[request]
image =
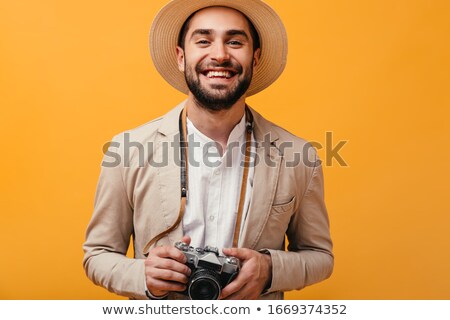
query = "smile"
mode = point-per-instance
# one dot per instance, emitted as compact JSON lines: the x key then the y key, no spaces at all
{"x":224,"y":74}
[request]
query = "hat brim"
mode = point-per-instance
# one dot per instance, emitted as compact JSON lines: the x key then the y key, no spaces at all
{"x":168,"y":22}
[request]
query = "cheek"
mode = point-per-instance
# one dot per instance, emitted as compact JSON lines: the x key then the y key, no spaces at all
{"x":246,"y":61}
{"x":191,"y":63}
{"x":193,"y":57}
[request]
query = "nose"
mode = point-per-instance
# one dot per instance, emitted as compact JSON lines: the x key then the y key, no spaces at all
{"x":219,"y":52}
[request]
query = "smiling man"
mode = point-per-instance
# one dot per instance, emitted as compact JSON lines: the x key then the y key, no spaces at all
{"x":245,"y":202}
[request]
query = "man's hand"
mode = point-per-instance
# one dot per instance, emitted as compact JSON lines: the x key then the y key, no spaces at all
{"x":255,"y":274}
{"x":165,"y":270}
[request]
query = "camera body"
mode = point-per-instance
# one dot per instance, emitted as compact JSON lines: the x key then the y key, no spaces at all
{"x":210,"y":272}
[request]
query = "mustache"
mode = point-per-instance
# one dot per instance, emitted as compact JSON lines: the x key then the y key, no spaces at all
{"x":199,"y":68}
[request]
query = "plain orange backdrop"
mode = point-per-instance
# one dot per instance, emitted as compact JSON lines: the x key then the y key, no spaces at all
{"x":375,"y":73}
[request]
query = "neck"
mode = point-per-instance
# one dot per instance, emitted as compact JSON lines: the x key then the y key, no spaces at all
{"x":216,"y":125}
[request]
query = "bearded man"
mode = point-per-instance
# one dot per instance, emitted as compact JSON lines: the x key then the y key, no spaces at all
{"x":226,"y":182}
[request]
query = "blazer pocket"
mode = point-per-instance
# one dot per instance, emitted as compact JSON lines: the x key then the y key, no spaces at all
{"x":283,"y":207}
{"x":277,"y":225}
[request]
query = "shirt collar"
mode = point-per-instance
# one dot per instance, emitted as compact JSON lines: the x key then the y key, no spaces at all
{"x":235,"y":135}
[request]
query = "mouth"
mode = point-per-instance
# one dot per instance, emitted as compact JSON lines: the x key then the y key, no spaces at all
{"x":219,"y":74}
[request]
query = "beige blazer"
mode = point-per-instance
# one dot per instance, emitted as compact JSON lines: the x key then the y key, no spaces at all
{"x":138,"y":196}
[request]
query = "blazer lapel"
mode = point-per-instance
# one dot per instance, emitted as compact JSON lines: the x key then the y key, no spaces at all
{"x":265,"y":181}
{"x":169,"y":175}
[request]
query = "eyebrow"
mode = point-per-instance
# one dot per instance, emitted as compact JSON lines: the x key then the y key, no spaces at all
{"x":231,"y":32}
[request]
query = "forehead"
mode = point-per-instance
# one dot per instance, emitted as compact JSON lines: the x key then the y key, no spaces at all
{"x":218,"y":18}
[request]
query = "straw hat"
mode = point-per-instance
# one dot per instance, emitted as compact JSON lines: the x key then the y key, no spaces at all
{"x":168,"y":22}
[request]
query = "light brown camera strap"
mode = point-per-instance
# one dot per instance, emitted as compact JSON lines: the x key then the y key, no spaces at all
{"x":237,"y":227}
{"x":184,"y":180}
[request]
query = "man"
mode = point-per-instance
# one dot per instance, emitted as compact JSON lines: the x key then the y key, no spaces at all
{"x":218,"y":52}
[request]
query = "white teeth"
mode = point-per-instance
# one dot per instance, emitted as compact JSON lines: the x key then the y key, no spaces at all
{"x":223,"y":74}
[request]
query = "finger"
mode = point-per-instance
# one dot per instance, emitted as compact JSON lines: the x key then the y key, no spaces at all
{"x":233,"y":287}
{"x":161,"y":285}
{"x":168,"y":275}
{"x":166,"y":263}
{"x":240,"y":253}
{"x":243,"y":293}
{"x":173,"y":265}
{"x":168,"y":252}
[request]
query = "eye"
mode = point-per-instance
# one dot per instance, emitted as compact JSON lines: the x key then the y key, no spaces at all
{"x":235,"y":43}
{"x":202,"y":42}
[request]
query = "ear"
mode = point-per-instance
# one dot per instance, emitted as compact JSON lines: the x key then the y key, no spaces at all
{"x":256,"y":57}
{"x":180,"y":58}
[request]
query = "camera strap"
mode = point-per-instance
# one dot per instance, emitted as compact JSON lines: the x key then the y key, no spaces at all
{"x":184,"y":164}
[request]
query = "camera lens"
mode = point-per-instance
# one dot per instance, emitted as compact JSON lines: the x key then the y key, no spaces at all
{"x":204,"y":285}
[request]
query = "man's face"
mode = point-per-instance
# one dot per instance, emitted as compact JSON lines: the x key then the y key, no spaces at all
{"x":218,"y":57}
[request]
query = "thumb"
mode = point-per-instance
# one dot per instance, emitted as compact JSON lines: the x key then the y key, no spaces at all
{"x":186,"y":239}
{"x":239,"y":253}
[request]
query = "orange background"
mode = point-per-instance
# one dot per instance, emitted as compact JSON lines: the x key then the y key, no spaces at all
{"x":374,"y":72}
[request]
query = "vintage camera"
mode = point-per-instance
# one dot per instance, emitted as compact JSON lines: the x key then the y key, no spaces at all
{"x":209,"y":271}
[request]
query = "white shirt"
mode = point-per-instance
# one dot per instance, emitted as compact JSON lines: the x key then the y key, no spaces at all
{"x":214,"y":187}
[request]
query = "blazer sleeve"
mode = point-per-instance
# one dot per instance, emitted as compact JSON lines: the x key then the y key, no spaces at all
{"x":109,"y":232}
{"x":309,"y":258}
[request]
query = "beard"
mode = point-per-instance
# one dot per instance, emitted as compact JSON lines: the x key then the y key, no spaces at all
{"x":218,"y":97}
